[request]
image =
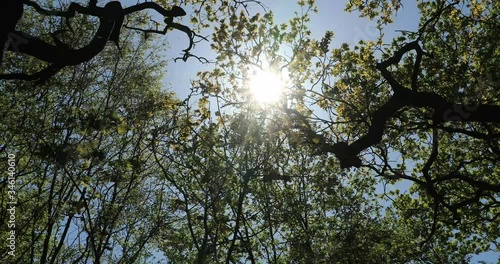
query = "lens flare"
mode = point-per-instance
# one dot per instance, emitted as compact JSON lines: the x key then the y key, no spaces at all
{"x":266,"y":86}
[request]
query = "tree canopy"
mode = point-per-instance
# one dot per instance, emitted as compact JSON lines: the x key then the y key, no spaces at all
{"x":377,"y":152}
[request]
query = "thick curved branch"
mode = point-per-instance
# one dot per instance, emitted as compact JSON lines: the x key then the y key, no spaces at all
{"x":60,"y":55}
{"x":11,"y":13}
{"x":40,"y":76}
{"x":94,"y":10}
{"x":186,"y":30}
{"x":469,"y":133}
{"x":377,"y":127}
{"x":111,"y":18}
{"x":444,"y":111}
{"x":485,"y":186}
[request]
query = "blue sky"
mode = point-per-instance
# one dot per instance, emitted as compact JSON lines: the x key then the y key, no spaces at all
{"x":348,"y":28}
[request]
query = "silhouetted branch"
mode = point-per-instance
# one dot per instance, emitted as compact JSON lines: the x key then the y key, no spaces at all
{"x":40,"y":76}
{"x":111,"y":18}
{"x":10,"y":14}
{"x":444,"y":111}
{"x":188,"y":55}
{"x":472,"y":182}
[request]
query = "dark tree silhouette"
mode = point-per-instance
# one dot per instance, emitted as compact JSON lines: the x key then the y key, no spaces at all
{"x":11,"y":12}
{"x":60,"y":55}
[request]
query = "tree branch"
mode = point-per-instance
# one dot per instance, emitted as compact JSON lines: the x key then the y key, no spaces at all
{"x":444,"y":111}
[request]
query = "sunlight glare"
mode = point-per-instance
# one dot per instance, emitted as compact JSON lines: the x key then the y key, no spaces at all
{"x":266,"y":87}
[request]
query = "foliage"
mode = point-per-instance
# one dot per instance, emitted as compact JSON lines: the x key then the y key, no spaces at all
{"x":111,"y":167}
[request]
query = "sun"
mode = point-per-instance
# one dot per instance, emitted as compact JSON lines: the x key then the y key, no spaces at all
{"x":266,"y":87}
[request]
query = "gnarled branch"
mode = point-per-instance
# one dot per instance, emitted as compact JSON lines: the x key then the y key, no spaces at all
{"x":111,"y":18}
